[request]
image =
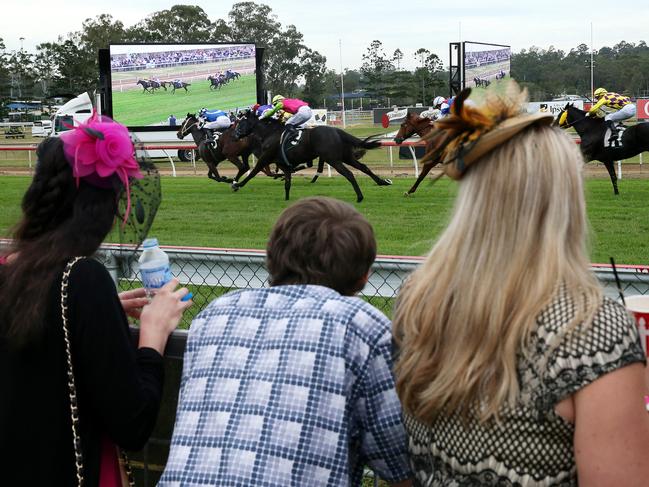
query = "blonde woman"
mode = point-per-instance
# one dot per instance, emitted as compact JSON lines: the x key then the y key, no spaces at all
{"x":513,"y":368}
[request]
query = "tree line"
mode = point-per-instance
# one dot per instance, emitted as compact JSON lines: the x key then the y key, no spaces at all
{"x":68,"y":66}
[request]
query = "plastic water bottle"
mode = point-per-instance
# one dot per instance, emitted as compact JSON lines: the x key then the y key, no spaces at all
{"x":154,"y":266}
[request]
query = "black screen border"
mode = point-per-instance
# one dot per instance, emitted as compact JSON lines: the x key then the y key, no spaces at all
{"x":105,"y":77}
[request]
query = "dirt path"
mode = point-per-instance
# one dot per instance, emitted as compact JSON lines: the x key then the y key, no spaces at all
{"x":593,"y":170}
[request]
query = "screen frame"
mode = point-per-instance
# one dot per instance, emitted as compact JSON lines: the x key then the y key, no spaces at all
{"x":463,"y":56}
{"x":105,"y":77}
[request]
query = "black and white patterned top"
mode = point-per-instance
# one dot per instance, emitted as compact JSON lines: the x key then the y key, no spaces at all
{"x":532,"y":445}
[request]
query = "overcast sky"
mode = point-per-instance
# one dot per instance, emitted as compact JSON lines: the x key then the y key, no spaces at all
{"x":406,"y":24}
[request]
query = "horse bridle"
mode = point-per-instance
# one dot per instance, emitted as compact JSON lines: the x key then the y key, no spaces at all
{"x":185,"y":130}
{"x":570,"y":124}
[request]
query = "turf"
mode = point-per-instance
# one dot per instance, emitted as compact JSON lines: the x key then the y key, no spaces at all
{"x":199,"y":212}
{"x":136,"y":108}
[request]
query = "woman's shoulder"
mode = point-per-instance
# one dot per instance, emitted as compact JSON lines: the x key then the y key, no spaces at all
{"x":578,"y":355}
{"x":89,"y":275}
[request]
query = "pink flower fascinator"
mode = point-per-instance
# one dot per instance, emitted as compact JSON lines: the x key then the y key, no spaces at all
{"x":100,"y":150}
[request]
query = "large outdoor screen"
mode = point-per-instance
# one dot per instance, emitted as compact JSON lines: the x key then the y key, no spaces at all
{"x":485,"y":63}
{"x":150,"y":82}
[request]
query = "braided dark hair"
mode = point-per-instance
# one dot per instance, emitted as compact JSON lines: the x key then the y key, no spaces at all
{"x":62,"y":218}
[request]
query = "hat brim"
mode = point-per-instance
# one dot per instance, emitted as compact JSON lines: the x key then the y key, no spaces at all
{"x":457,"y":162}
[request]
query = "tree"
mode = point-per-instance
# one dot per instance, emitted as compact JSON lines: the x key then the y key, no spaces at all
{"x":314,"y":70}
{"x":397,"y":56}
{"x":181,"y":23}
{"x":287,"y":61}
{"x":376,"y":67}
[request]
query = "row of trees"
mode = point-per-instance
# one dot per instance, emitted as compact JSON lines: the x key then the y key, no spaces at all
{"x":69,"y":65}
{"x":623,"y":68}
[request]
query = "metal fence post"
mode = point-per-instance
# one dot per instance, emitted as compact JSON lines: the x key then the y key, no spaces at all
{"x":112,"y":266}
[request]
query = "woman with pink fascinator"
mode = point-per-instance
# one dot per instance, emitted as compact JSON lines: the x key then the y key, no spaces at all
{"x":74,"y":386}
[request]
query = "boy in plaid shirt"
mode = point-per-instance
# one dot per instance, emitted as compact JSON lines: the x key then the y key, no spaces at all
{"x":292,"y":384}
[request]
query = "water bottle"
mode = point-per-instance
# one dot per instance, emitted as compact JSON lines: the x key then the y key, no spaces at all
{"x":154,"y":266}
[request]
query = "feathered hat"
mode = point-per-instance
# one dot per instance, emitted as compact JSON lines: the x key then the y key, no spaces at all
{"x":472,"y":131}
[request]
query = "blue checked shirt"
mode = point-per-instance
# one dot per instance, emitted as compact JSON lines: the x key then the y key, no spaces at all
{"x":290,"y":385}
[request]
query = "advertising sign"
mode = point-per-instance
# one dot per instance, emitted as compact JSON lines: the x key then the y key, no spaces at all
{"x":642,"y":108}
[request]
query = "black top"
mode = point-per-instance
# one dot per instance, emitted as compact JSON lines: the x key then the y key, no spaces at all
{"x":119,"y":388}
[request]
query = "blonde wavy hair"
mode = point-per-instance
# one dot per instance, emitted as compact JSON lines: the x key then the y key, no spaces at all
{"x":518,"y":233}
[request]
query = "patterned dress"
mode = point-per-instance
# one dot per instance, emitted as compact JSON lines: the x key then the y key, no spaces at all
{"x":532,"y":445}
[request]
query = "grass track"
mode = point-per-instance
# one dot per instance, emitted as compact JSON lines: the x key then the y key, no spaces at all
{"x":135,"y":108}
{"x":196,"y":211}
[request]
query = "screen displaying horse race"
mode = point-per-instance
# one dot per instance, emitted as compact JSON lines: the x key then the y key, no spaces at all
{"x":150,"y":82}
{"x":485,"y":63}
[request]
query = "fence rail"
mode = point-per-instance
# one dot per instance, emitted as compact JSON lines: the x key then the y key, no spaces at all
{"x":211,"y":272}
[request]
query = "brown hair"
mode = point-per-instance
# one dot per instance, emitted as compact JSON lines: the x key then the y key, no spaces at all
{"x":321,"y":241}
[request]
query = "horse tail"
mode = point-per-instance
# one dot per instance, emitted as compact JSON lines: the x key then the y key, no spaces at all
{"x":366,"y":143}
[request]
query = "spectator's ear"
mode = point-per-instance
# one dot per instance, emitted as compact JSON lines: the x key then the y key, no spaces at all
{"x":360,"y":284}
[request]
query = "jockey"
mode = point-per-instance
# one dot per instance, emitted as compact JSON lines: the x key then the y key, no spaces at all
{"x":619,"y":107}
{"x":300,"y":111}
{"x":443,"y":105}
{"x":261,"y":109}
{"x":215,"y":121}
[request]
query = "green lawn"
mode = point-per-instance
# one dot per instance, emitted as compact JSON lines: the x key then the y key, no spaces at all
{"x":134,"y":107}
{"x":199,"y":212}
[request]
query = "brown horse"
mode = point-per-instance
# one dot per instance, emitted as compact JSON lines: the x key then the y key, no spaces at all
{"x":414,"y":124}
{"x":237,"y":151}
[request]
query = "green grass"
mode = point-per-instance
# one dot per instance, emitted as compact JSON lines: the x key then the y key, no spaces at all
{"x":199,"y":212}
{"x":133,"y":107}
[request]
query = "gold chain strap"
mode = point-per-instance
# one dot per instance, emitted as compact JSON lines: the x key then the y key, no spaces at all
{"x":72,"y":389}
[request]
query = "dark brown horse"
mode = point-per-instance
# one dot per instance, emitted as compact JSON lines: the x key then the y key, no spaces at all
{"x":414,"y":124}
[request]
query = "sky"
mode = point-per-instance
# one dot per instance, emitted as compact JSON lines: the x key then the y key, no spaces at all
{"x":342,"y":30}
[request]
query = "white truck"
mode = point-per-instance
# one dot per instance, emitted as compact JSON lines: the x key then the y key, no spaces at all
{"x":79,"y":109}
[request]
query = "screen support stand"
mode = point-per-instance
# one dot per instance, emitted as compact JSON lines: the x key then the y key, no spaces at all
{"x":455,"y":80}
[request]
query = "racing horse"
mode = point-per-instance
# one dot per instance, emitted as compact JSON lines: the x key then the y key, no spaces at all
{"x":237,"y":151}
{"x":592,"y":131}
{"x":216,"y":82}
{"x":331,"y":145}
{"x":148,"y":86}
{"x":414,"y":124}
{"x":178,"y":85}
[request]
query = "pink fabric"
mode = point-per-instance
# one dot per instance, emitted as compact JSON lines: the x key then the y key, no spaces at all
{"x":109,"y":473}
{"x":292,"y":105}
{"x":3,"y":259}
{"x":99,"y":149}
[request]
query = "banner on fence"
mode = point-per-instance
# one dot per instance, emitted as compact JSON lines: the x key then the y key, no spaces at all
{"x":553,"y":107}
{"x":318,"y":117}
{"x":642,"y":109}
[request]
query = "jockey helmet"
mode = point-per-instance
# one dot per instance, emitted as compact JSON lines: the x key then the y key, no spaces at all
{"x":437,"y":102}
{"x":202,"y":112}
{"x":277,"y":98}
{"x":599,"y":92}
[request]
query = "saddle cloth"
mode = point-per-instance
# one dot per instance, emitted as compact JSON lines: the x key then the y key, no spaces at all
{"x":617,"y":141}
{"x":294,"y":141}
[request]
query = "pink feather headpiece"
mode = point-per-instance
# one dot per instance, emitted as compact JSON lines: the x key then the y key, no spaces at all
{"x":100,"y":149}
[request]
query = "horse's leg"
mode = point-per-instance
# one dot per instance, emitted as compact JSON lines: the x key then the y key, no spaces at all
{"x":610,"y":167}
{"x":347,"y":174}
{"x":245,"y":166}
{"x":424,"y":172}
{"x":318,"y":172}
{"x":287,"y":184}
{"x":366,"y":170}
{"x":261,"y":163}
